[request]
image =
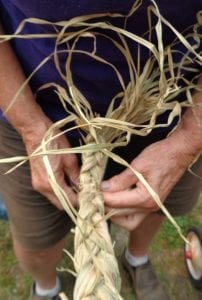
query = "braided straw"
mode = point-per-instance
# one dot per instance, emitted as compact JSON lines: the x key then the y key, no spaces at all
{"x":97,"y":270}
{"x":133,"y":111}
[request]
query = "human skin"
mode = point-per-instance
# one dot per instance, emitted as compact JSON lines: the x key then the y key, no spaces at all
{"x":162,"y":164}
{"x":28,"y":119}
{"x":161,"y":171}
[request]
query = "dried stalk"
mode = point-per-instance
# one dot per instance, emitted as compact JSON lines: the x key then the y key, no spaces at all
{"x":95,"y":264}
{"x":148,"y":94}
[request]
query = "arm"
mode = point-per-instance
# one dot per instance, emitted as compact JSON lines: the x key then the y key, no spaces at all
{"x":28,"y":119}
{"x":162,"y":164}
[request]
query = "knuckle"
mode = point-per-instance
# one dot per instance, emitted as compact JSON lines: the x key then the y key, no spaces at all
{"x":34,"y":184}
{"x":40,"y":185}
{"x":117,"y":182}
{"x":150,"y":203}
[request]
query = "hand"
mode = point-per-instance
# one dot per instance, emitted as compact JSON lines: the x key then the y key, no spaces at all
{"x":128,"y":220}
{"x":162,"y":164}
{"x":63,"y":166}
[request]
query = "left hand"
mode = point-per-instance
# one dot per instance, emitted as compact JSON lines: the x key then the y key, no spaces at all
{"x":162,"y":164}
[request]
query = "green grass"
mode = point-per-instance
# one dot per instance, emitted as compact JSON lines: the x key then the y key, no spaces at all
{"x":166,"y":254}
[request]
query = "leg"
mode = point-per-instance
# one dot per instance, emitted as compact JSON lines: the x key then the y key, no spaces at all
{"x":135,"y":260}
{"x":180,"y":201}
{"x":38,"y":228}
{"x":41,"y":265}
{"x":139,"y":241}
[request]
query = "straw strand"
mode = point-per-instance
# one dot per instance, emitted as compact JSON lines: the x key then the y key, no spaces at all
{"x":97,"y":270}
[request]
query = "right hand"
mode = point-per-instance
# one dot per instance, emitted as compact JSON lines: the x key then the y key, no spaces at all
{"x":63,"y":166}
{"x":32,"y":124}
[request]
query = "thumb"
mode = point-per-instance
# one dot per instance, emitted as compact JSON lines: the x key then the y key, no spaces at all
{"x":119,"y":182}
{"x":129,"y":222}
{"x":71,"y":168}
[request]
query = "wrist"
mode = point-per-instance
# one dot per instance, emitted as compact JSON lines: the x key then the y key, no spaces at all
{"x":188,"y":143}
{"x":188,"y":133}
{"x":33,"y":133}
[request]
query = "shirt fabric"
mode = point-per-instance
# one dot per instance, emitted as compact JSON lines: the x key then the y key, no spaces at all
{"x":96,"y":81}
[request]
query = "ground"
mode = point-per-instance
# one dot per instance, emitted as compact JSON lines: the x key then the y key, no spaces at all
{"x":166,"y":254}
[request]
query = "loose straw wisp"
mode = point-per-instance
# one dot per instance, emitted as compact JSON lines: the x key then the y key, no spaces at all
{"x":149,"y":93}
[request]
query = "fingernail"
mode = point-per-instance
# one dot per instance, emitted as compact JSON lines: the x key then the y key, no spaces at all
{"x":105,"y":185}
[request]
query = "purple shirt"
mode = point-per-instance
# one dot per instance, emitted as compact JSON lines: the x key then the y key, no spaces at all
{"x":96,"y":81}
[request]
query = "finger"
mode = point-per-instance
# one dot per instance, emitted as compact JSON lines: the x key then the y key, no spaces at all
{"x":68,"y":193}
{"x":115,"y":212}
{"x":63,"y":192}
{"x":129,"y":222}
{"x":119,"y":182}
{"x":134,"y":198}
{"x":54,"y":200}
{"x":71,"y":168}
{"x":72,"y":196}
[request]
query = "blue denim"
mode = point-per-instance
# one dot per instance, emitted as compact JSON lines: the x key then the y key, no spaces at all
{"x":3,"y":213}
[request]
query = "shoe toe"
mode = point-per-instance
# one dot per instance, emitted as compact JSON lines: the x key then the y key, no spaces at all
{"x":145,"y":282}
